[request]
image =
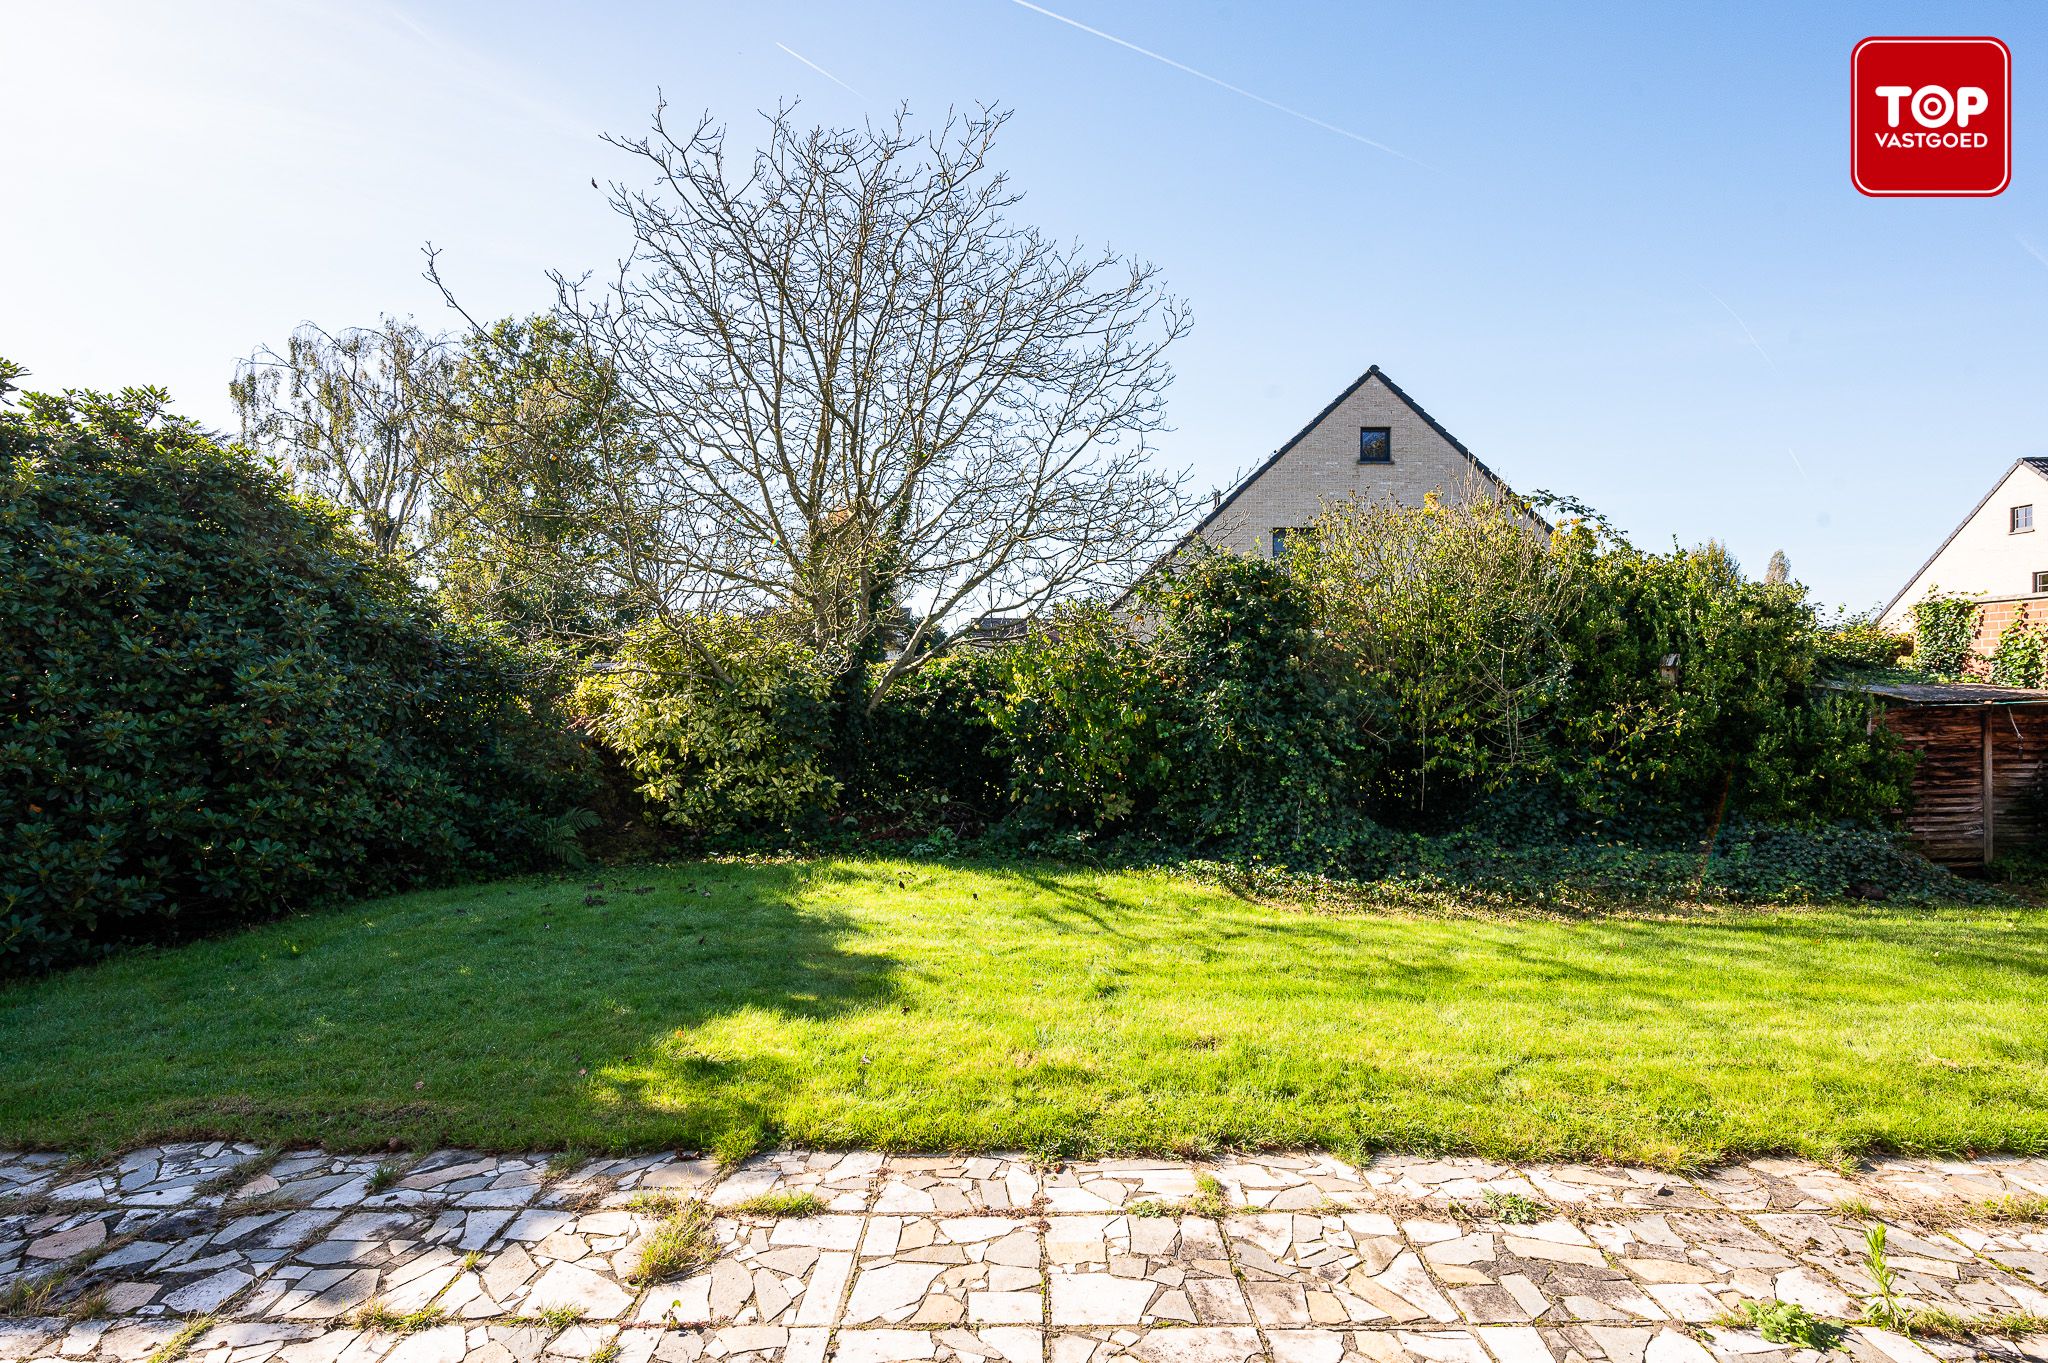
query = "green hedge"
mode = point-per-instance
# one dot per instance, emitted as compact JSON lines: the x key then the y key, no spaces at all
{"x":214,"y":708}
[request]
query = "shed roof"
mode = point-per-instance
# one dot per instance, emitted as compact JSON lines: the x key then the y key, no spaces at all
{"x":1947,"y":693}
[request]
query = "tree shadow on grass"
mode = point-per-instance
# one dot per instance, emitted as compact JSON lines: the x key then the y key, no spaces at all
{"x":536,"y":1014}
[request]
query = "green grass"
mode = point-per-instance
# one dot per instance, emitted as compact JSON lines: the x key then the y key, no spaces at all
{"x":778,"y":1205}
{"x":680,"y":1244}
{"x":925,"y":1006}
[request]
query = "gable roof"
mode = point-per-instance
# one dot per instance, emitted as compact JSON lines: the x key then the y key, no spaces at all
{"x":2038,"y":465}
{"x":1370,"y":374}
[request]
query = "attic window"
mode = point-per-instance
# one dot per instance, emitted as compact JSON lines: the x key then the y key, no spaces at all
{"x":1375,"y":445}
{"x":1280,"y":535}
{"x":2022,"y":518}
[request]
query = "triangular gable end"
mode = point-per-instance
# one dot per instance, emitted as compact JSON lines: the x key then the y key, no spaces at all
{"x":2039,"y":467}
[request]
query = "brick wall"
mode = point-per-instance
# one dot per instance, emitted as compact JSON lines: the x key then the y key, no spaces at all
{"x":1994,"y":616}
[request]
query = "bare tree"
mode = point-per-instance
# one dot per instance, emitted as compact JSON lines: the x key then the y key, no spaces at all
{"x":359,"y":416}
{"x":863,"y":400}
{"x":1779,"y":570}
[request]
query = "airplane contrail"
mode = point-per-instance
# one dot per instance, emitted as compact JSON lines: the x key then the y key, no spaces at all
{"x":822,"y":71}
{"x":1223,"y":84}
{"x":1797,"y":462}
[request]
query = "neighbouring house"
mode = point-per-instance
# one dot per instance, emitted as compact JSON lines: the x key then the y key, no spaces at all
{"x":1993,"y":556}
{"x":1373,"y":443}
{"x":1978,"y":782}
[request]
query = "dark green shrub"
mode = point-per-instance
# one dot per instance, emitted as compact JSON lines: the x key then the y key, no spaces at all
{"x":214,"y":708}
{"x":726,"y":730}
{"x":1266,"y":742}
{"x":927,"y":754}
{"x":1080,"y":723}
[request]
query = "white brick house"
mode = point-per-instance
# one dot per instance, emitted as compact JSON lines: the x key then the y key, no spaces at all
{"x":1373,"y":443}
{"x":1999,"y":554}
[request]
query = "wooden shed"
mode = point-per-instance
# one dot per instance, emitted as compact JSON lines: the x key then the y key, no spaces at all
{"x":1981,"y":752}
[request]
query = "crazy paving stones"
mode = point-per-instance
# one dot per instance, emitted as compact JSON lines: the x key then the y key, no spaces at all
{"x":1288,"y":1182}
{"x":157,"y":1176}
{"x":957,"y":1186}
{"x":1141,"y":1270}
{"x":1226,"y":1344}
{"x":947,"y":1270}
{"x":1510,"y":1274}
{"x":843,"y":1181}
{"x":1114,"y":1185}
{"x":1303,"y":1269}
{"x":1266,"y":1258}
{"x":988,"y":1344}
{"x":785,"y":1273}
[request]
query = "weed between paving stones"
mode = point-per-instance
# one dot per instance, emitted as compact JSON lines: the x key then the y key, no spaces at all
{"x":179,"y":1344}
{"x":2017,"y":1207}
{"x":554,"y":1318}
{"x":780,"y":1205}
{"x":375,"y":1315}
{"x":1210,"y":1200}
{"x":680,"y":1243}
{"x":1784,"y":1322}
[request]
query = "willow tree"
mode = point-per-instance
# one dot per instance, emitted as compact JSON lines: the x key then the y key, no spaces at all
{"x":861,"y":399}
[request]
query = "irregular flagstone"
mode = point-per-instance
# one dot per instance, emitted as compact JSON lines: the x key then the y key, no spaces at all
{"x":1583,"y":1188}
{"x":844,"y":1180}
{"x":619,"y":1182}
{"x":471,"y":1181}
{"x":1113,"y":1185}
{"x":986,"y":1344}
{"x":1141,"y":1270}
{"x":1516,"y":1274}
{"x":947,"y":1270}
{"x":1931,"y":1268}
{"x":1288,"y":1182}
{"x":966,"y":1185}
{"x":26,"y":1338}
{"x":157,"y":1176}
{"x":2021,"y":1248}
{"x":743,"y":1344}
{"x":1200,"y":1344}
{"x":1905,"y":1182}
{"x":1379,"y":1346}
{"x":1778,"y":1185}
{"x":784,"y":1273}
{"x":28,"y":1172}
{"x":949,"y":1258}
{"x":1303,"y":1269}
{"x":1696,"y":1265}
{"x":1444,"y":1179}
{"x":32,"y":1244}
{"x":552,"y":1258}
{"x":314,"y":1178}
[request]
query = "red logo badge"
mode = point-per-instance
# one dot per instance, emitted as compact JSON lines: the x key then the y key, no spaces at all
{"x":1931,"y":117}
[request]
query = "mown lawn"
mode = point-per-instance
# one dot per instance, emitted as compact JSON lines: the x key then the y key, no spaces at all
{"x":924,"y":1006}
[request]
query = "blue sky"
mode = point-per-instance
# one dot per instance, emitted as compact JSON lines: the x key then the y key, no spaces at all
{"x":1614,"y":249}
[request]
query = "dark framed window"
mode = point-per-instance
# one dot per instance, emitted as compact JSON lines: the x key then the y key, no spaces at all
{"x":2022,"y":518}
{"x":1375,"y":445}
{"x":1280,"y":535}
{"x":2040,"y":583}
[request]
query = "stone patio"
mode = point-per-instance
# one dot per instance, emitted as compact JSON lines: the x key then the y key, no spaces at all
{"x":265,"y":1258}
